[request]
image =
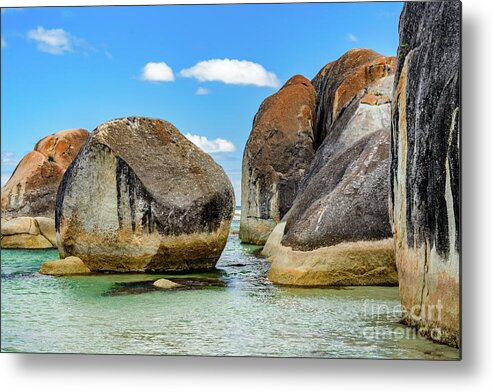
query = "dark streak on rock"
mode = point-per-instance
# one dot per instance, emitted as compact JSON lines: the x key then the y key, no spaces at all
{"x":430,"y":39}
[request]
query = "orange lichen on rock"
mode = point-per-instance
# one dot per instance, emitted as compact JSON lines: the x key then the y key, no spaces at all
{"x":341,"y":81}
{"x":31,"y":191}
{"x":361,"y":77}
{"x":277,"y":154}
{"x":281,"y":111}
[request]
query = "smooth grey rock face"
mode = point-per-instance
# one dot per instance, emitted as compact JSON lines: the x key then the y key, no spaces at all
{"x":277,"y":154}
{"x":142,"y":197}
{"x":337,"y":232}
{"x":344,"y":194}
{"x":346,"y":200}
{"x":425,"y":171}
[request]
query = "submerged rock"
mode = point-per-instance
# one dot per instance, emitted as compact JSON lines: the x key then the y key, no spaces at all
{"x":28,"y":197}
{"x":425,"y":172}
{"x":68,"y":266}
{"x":166,"y":284}
{"x":277,"y":154}
{"x":28,"y":233}
{"x":142,"y":197}
{"x":337,"y":231}
{"x":148,"y":286}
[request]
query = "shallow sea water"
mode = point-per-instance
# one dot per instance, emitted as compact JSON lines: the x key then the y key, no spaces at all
{"x":233,"y":311}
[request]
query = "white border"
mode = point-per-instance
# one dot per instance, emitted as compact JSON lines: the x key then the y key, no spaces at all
{"x":19,"y":372}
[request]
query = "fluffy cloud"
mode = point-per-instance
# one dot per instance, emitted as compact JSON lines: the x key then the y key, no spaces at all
{"x":54,"y":41}
{"x":9,"y":159}
{"x":211,"y":146}
{"x":157,"y":72}
{"x":202,"y":91}
{"x":232,"y":72}
{"x":351,"y":37}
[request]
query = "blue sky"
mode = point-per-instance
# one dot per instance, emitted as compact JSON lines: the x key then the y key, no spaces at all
{"x":206,"y":69}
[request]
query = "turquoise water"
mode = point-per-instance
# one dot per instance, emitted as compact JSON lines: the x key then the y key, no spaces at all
{"x":232,"y":311}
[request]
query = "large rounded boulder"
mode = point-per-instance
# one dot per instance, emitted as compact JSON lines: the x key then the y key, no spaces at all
{"x":31,"y":191}
{"x":337,"y":231}
{"x":29,"y":196}
{"x":276,"y":157}
{"x":142,"y":197}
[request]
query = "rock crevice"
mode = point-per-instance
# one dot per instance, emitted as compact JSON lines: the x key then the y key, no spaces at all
{"x":337,"y":231}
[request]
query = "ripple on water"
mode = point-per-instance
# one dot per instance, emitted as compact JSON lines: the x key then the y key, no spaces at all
{"x":233,"y":310}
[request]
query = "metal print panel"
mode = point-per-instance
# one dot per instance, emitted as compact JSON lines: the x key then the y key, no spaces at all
{"x":278,"y":180}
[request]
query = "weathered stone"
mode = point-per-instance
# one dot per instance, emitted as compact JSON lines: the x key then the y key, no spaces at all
{"x":31,"y":191}
{"x":68,"y":266}
{"x":277,"y":154}
{"x":47,"y":228}
{"x":425,"y":172}
{"x":142,"y":197}
{"x":166,"y":284}
{"x":28,"y":233}
{"x":21,"y":225}
{"x":345,"y":264}
{"x":369,"y":99}
{"x":25,"y":241}
{"x":341,"y":81}
{"x":318,"y":80}
{"x":337,"y":231}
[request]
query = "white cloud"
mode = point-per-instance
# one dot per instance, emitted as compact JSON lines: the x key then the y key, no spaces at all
{"x":9,"y":159}
{"x":351,"y":37}
{"x":157,"y":72}
{"x":58,"y":41}
{"x":232,"y":72}
{"x":211,"y":146}
{"x":4,"y":44}
{"x":53,"y":41}
{"x":202,"y":91}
